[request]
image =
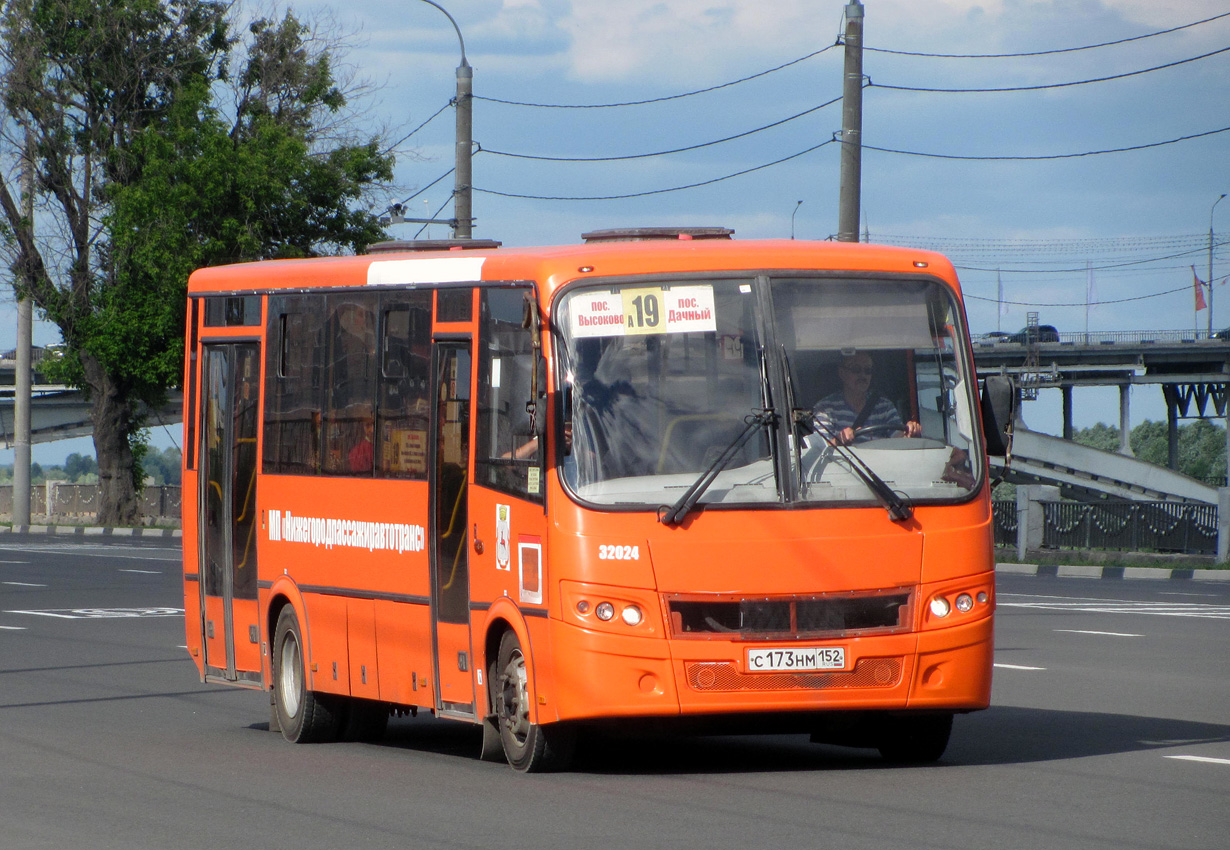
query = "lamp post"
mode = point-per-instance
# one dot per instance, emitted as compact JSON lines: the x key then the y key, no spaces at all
{"x":463,"y":221}
{"x":792,"y":215}
{"x":1220,"y":198}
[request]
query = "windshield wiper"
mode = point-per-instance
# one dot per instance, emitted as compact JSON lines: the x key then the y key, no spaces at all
{"x":898,"y":508}
{"x":674,"y":514}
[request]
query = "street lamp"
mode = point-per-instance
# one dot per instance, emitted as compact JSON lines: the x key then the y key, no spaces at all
{"x":792,"y":215}
{"x":462,"y":176}
{"x":1220,"y":198}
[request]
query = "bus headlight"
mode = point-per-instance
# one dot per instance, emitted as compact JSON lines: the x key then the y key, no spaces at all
{"x":604,"y":611}
{"x":965,"y":602}
{"x":632,"y":615}
{"x":940,"y":607}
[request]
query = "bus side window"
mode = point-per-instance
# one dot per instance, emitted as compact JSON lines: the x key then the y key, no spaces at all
{"x":508,"y":455}
{"x":293,"y":384}
{"x":403,"y":406}
{"x":348,"y":416}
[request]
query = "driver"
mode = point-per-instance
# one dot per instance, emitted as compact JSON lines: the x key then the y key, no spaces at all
{"x":853,"y":413}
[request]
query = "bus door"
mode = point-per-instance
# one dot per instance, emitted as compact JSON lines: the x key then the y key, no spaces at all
{"x":450,"y":574}
{"x":229,"y":414}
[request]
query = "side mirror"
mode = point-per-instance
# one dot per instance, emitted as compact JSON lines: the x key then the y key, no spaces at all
{"x":998,"y":413}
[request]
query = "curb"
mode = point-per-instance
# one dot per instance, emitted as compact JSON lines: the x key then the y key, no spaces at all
{"x":93,"y":531}
{"x":1163,"y":573}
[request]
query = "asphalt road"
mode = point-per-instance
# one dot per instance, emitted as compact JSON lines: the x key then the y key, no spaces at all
{"x":1110,"y":729}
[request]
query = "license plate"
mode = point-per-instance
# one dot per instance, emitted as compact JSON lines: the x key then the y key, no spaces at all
{"x":798,"y":658}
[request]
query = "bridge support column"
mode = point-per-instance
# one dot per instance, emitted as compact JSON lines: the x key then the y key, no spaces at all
{"x":1030,"y":519}
{"x":1125,"y":419}
{"x":1223,"y":525}
{"x":1172,"y":426}
{"x":1066,"y":389}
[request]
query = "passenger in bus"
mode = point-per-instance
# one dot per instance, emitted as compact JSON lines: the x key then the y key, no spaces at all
{"x":854,"y":414}
{"x":363,"y":453}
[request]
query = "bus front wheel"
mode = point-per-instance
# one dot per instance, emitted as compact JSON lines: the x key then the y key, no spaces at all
{"x":305,"y":717}
{"x":528,"y":746}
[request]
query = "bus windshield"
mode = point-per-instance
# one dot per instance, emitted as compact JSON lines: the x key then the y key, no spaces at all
{"x":839,"y":380}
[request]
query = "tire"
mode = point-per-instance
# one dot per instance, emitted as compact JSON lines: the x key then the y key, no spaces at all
{"x":304,"y":716}
{"x":915,"y":740}
{"x":529,"y":747}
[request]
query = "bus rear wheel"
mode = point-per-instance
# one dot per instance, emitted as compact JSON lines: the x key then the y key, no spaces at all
{"x":920,"y":739}
{"x":305,"y":717}
{"x":528,"y":746}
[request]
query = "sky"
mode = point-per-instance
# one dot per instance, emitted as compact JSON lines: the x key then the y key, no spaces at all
{"x":1118,"y":232}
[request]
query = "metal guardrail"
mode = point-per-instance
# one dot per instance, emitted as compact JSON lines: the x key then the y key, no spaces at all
{"x":1120,"y":525}
{"x":1004,"y":521}
{"x":1106,"y":338}
{"x":79,"y":502}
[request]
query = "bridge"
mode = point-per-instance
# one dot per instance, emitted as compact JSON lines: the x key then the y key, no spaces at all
{"x":1191,"y":368}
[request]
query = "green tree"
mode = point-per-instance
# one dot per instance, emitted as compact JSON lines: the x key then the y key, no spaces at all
{"x":1099,"y":436}
{"x":161,"y":142}
{"x":1202,"y":447}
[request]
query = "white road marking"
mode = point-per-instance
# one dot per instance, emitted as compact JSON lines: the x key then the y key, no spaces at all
{"x":13,"y":628}
{"x":1088,"y":632}
{"x":1203,"y":759}
{"x":1017,"y":667}
{"x":14,"y":562}
{"x":1092,"y":605}
{"x":22,"y":584}
{"x":103,"y":613}
{"x":144,"y":572}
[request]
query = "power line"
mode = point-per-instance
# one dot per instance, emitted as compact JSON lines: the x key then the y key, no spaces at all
{"x":428,"y":186}
{"x":1049,"y":85}
{"x":406,"y":137}
{"x":1049,"y":156}
{"x":1184,"y":288}
{"x":655,"y":191}
{"x":664,"y":152}
{"x":1044,"y":52}
{"x":656,"y":99}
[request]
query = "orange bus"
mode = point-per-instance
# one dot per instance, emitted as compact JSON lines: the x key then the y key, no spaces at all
{"x":541,"y":490}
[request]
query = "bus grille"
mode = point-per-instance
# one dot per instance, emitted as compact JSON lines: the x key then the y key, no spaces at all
{"x":724,"y":676}
{"x":796,"y":616}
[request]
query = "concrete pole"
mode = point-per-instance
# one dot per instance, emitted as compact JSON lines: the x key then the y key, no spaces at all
{"x":1125,"y":419}
{"x":1210,"y":281}
{"x":851,"y":128}
{"x":463,"y":181}
{"x":1066,"y":390}
{"x":463,"y":187}
{"x":1172,"y":426}
{"x":21,"y":400}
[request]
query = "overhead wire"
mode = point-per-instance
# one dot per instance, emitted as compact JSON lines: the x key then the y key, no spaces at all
{"x":1036,"y":157}
{"x":783,"y":66}
{"x":1184,"y":288}
{"x":1044,"y":52}
{"x":1040,"y":87}
{"x":664,"y":152}
{"x":656,"y":191}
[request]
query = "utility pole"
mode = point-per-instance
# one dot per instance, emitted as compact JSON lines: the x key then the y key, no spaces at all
{"x":851,"y":127}
{"x":463,"y":180}
{"x":25,"y":327}
{"x":1210,"y":305}
{"x":463,"y":185}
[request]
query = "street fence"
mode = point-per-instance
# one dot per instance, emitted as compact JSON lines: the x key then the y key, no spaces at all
{"x":60,"y":501}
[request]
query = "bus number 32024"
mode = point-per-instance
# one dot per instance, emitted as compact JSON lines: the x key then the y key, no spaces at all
{"x":619,"y":553}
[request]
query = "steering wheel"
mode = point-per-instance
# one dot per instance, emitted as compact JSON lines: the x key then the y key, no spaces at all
{"x":889,"y":430}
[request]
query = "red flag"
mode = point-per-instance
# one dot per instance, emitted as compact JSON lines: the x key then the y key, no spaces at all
{"x":1199,"y":285}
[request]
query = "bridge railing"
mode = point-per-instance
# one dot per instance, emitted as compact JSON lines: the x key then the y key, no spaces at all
{"x":78,"y":503}
{"x":1107,"y":337}
{"x":1173,"y":527}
